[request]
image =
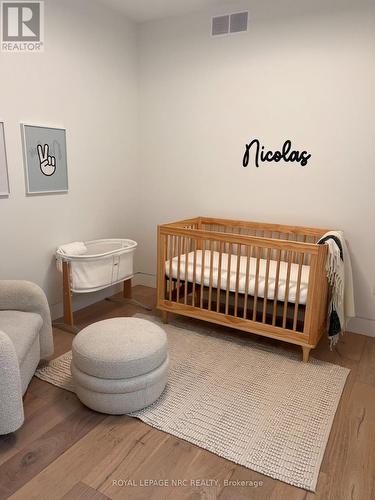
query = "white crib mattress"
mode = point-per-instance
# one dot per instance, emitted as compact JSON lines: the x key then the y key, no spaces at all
{"x":242,"y":275}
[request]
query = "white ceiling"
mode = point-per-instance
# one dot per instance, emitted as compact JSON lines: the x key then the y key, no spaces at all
{"x":146,"y":10}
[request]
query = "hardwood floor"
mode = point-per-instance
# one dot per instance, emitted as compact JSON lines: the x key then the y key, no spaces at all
{"x":66,"y":451}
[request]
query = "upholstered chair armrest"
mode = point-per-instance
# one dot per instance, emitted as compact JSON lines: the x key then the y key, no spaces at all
{"x":29,"y":297}
{"x":11,"y":407}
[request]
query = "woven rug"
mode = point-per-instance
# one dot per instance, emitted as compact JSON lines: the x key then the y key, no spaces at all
{"x":252,"y":403}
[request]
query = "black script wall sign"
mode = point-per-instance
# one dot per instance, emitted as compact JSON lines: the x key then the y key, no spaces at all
{"x":287,"y":154}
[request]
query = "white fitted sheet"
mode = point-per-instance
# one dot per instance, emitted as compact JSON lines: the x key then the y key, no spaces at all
{"x":242,"y":275}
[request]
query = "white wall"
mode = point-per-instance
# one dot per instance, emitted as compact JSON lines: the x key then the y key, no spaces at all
{"x":305,"y":71}
{"x":86,"y":81}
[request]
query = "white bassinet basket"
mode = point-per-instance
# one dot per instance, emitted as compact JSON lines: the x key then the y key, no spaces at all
{"x":105,"y":263}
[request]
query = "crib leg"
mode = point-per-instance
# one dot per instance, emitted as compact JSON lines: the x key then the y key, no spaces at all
{"x":306,"y":353}
{"x":67,"y":297}
{"x":165,"y":317}
{"x":127,"y":290}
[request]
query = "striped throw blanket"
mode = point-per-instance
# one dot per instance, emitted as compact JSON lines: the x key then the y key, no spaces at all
{"x":340,"y":278}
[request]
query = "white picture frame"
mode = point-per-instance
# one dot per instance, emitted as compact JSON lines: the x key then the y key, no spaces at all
{"x":45,"y":159}
{"x":4,"y":175}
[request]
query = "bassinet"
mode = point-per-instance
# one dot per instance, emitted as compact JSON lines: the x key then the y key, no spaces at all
{"x":106,"y":263}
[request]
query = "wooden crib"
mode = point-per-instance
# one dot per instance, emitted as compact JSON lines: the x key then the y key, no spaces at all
{"x":267,"y":279}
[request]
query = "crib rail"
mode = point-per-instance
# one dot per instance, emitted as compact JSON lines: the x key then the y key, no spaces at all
{"x":254,"y":282}
{"x":250,"y":228}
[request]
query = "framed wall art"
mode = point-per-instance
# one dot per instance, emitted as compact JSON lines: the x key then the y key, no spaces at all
{"x":4,"y":179}
{"x":45,"y":156}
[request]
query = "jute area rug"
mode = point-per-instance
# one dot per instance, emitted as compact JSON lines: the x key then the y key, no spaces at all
{"x":252,"y":403}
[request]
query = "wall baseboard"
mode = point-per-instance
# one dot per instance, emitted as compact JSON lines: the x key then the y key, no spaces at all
{"x":363,"y":326}
{"x":145,"y":280}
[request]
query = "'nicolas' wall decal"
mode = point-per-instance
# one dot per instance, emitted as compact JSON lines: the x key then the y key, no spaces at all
{"x":286,"y":154}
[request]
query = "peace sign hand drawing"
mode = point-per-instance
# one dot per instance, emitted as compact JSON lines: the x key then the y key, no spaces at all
{"x":47,"y":163}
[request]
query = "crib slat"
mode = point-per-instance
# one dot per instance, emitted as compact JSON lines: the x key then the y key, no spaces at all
{"x":268,"y":256}
{"x":172,"y":254}
{"x":262,"y":235}
{"x":187,"y":242}
{"x":194,"y":271}
{"x":202,"y":275}
{"x":171,"y":244}
{"x":212,"y":246}
{"x":249,"y":251}
{"x":165,"y":280}
{"x":237,"y":279}
{"x":228,"y":279}
{"x":179,"y":244}
{"x":287,"y":283}
{"x":256,"y":286}
{"x":276,"y":292}
{"x":276,"y":236}
{"x":287,"y":237}
{"x":218,"y":292}
{"x":298,"y":290}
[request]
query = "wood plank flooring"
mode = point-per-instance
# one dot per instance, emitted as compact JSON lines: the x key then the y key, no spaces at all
{"x":66,"y":451}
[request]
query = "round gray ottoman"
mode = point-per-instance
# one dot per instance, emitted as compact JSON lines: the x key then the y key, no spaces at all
{"x":120,"y":365}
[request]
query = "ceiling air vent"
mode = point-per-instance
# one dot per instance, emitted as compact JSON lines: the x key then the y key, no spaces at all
{"x":220,"y":25}
{"x":238,"y":22}
{"x":231,"y":23}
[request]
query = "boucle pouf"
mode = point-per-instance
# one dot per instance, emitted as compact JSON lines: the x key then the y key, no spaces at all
{"x":120,"y":365}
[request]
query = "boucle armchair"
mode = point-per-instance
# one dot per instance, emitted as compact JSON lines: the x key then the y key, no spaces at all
{"x":25,"y":339}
